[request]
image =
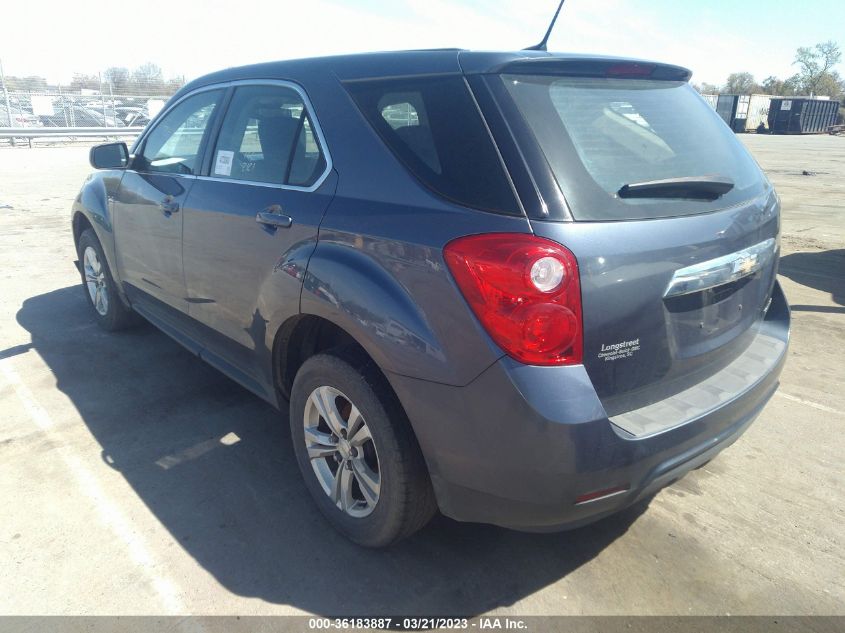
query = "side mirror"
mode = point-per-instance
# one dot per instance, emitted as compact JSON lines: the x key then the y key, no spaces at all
{"x":109,"y":156}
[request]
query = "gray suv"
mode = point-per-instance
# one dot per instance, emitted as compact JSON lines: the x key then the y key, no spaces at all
{"x":526,"y":289}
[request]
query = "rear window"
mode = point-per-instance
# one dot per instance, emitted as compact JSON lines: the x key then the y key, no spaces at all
{"x":600,"y":134}
{"x":434,"y":128}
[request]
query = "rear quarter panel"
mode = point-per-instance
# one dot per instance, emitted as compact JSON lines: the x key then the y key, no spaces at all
{"x":378,"y":272}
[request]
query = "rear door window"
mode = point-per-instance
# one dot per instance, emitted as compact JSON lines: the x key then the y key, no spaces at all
{"x":600,"y":134}
{"x":267,"y":136}
{"x":434,"y":128}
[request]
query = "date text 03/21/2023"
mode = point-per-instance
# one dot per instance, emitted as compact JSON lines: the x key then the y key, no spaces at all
{"x":417,"y":623}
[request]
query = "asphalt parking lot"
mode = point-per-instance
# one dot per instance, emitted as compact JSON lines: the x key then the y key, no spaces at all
{"x":134,"y":479}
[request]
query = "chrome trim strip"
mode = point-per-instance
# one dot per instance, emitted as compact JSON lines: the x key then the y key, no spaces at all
{"x":318,"y":131}
{"x":237,"y":181}
{"x":721,"y":270}
{"x":602,"y":498}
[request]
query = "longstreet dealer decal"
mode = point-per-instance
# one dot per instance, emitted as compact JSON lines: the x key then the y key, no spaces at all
{"x":615,"y":351}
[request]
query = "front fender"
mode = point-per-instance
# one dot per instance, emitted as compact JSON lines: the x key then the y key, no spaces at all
{"x":93,"y":204}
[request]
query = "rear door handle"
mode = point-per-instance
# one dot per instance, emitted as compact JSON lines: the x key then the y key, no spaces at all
{"x":273,"y":216}
{"x":168,"y":206}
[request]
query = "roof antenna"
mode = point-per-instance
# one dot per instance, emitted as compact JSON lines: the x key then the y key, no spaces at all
{"x":542,"y":45}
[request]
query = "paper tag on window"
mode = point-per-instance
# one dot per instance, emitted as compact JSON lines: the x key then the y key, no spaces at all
{"x":223,"y":164}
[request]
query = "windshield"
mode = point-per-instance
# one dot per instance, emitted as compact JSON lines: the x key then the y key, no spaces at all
{"x":599,"y":135}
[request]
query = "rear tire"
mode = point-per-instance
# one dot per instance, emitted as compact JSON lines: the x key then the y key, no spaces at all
{"x":374,"y":490}
{"x":98,"y":284}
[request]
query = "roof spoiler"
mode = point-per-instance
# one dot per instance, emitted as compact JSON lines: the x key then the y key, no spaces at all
{"x":615,"y":68}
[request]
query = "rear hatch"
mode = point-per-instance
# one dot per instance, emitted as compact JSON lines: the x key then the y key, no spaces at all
{"x":672,"y":222}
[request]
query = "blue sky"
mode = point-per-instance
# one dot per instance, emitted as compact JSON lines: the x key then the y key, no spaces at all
{"x":712,"y":37}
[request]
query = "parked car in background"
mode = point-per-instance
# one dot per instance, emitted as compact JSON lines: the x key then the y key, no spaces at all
{"x":19,"y":117}
{"x":74,"y":115}
{"x":527,"y":289}
{"x":132,"y":116}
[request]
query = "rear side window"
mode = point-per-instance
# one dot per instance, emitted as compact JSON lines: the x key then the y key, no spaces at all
{"x":267,"y":136}
{"x":434,"y":128}
{"x":600,"y":134}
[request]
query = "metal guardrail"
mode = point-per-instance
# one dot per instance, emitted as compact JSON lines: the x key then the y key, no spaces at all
{"x":45,"y":132}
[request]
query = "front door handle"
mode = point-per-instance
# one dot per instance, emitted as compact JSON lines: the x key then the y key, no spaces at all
{"x":273,"y":216}
{"x":169,"y":206}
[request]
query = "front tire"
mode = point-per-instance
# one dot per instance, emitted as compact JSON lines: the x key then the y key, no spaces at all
{"x":357,"y":452}
{"x":98,"y":284}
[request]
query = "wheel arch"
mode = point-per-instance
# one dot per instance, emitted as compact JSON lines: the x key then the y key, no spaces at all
{"x":91,"y":210}
{"x":302,"y":336}
{"x":79,"y":224}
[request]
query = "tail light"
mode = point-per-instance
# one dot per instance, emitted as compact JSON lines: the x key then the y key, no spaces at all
{"x":630,"y":69}
{"x":526,"y":293}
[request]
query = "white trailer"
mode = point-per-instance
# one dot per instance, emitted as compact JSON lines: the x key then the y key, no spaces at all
{"x":711,"y":100}
{"x":751,"y":111}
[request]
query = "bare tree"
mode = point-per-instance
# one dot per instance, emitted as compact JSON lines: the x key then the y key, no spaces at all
{"x":118,"y":77}
{"x":148,"y":79}
{"x":831,"y":85}
{"x":82,"y":81}
{"x":741,"y":83}
{"x":30,"y":82}
{"x":706,"y":88}
{"x":779,"y":87}
{"x":816,"y":65}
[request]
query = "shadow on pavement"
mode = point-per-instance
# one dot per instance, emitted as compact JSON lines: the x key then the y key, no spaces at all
{"x":214,"y":465}
{"x":822,"y":270}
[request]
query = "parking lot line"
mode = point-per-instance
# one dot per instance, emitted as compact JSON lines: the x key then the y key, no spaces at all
{"x":87,"y":482}
{"x":809,"y":403}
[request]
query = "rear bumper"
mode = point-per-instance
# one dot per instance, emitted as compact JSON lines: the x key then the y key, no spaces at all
{"x":519,"y":445}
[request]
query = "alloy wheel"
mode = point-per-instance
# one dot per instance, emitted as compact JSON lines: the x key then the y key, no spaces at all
{"x":95,"y":280}
{"x":342,"y":452}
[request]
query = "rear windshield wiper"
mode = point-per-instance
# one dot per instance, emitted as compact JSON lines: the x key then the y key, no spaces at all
{"x":690,"y":187}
